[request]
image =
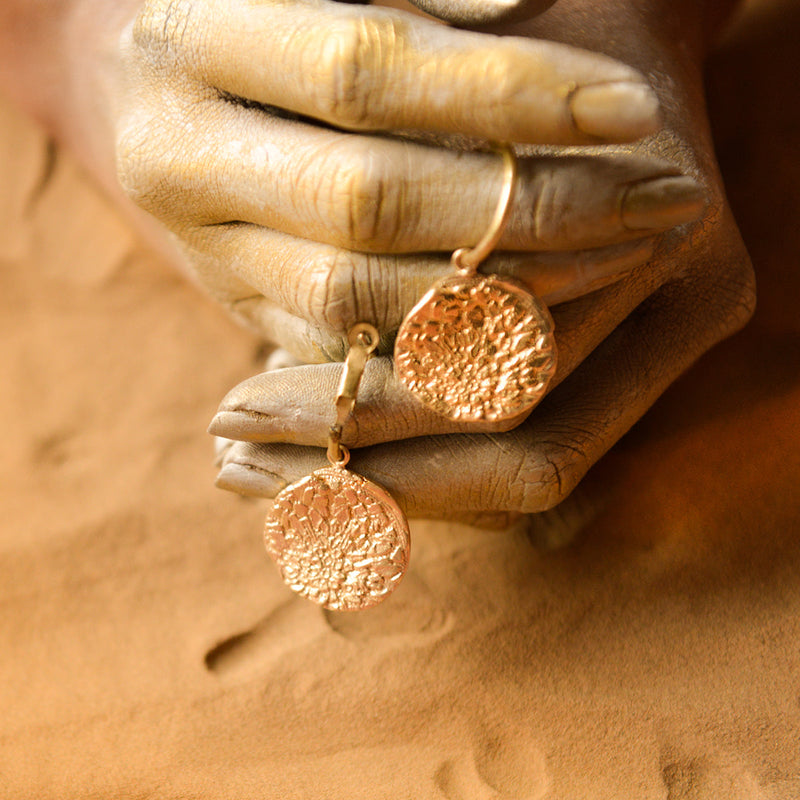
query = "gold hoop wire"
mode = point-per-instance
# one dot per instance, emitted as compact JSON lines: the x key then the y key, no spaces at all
{"x":468,"y":259}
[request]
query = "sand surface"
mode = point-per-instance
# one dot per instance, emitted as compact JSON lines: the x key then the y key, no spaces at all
{"x":149,"y":650}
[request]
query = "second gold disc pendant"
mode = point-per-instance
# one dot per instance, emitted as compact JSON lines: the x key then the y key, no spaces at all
{"x":338,"y":538}
{"x":478,"y":347}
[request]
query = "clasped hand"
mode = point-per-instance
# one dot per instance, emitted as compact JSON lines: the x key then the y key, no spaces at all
{"x":317,"y":162}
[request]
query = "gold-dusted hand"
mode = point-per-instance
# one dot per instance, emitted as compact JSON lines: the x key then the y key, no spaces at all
{"x":259,"y":133}
{"x":317,"y":163}
{"x":619,"y":347}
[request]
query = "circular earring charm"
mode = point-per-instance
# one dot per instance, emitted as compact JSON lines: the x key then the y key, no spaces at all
{"x":478,"y":347}
{"x":338,"y":538}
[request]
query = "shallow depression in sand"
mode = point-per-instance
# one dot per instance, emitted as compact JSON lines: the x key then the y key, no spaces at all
{"x":506,"y":764}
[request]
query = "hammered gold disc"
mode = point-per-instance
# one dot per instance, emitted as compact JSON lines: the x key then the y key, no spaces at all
{"x":477,"y":348}
{"x":338,"y":539}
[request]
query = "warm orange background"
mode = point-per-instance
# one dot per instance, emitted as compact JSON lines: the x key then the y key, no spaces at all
{"x":148,"y":649}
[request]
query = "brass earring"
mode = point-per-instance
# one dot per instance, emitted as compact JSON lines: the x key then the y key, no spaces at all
{"x":338,"y":538}
{"x":478,"y":347}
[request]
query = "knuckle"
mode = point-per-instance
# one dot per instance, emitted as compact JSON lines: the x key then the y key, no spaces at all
{"x":135,"y":171}
{"x":548,"y":474}
{"x":352,"y":57}
{"x":156,"y":171}
{"x":331,"y":292}
{"x":549,"y":208}
{"x":142,"y":175}
{"x":344,"y":289}
{"x":307,"y":342}
{"x":319,"y":346}
{"x":362,"y":199}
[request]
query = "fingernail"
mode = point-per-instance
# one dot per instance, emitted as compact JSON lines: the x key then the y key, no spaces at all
{"x":238,"y":424}
{"x":617,"y":112}
{"x":662,"y":203}
{"x":248,"y":480}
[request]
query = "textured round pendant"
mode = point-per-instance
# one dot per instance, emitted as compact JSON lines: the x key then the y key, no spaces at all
{"x":338,"y":539}
{"x":477,"y":348}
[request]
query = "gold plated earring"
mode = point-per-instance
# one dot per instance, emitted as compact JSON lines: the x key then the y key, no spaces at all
{"x":478,"y":347}
{"x":338,"y":538}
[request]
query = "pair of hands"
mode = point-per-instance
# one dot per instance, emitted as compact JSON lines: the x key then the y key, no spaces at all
{"x":294,"y":149}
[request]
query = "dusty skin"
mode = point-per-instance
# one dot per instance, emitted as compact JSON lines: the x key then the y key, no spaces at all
{"x":619,"y":346}
{"x":303,"y":228}
{"x":148,"y":653}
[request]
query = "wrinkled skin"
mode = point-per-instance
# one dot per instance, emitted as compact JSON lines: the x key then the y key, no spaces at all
{"x":304,"y":230}
{"x":320,"y":253}
{"x":630,"y":339}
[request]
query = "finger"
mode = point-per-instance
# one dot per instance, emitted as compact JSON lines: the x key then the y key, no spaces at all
{"x":482,"y":12}
{"x":296,"y":405}
{"x":384,"y":195}
{"x":387,"y":195}
{"x":377,"y":69}
{"x":535,"y":466}
{"x":359,"y":289}
{"x":558,"y":278}
{"x":306,"y":293}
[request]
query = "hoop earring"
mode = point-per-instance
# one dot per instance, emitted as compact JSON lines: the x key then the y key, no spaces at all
{"x":338,"y":538}
{"x":478,"y":347}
